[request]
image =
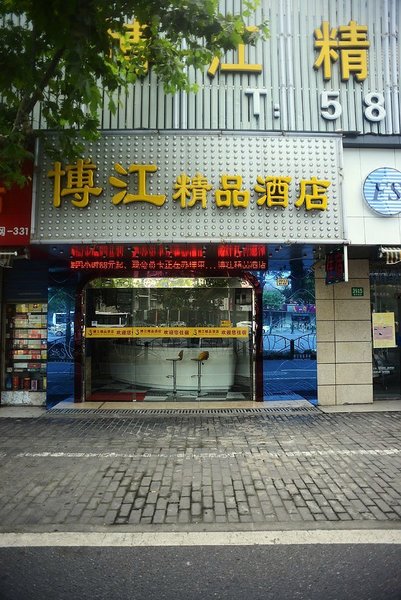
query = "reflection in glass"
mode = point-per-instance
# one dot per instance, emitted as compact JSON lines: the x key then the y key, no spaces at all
{"x":289,"y":334}
{"x":60,"y":363}
{"x":143,"y":366}
{"x":385,"y":298}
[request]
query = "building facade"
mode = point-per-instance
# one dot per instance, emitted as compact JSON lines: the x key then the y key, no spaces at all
{"x":240,"y":242}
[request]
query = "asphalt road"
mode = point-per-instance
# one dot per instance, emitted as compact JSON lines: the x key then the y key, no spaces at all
{"x":284,"y":572}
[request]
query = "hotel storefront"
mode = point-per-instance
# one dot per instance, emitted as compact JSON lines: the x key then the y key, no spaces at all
{"x":202,"y":219}
{"x":242,"y":332}
{"x":184,"y":331}
{"x":179,"y":266}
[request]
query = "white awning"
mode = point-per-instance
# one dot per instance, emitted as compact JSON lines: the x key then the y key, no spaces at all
{"x":391,"y":254}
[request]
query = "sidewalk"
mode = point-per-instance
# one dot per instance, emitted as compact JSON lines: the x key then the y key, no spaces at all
{"x":23,"y":412}
{"x":274,"y":466}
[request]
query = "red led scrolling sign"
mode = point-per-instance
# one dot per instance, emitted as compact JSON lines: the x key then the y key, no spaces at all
{"x":165,"y":251}
{"x":175,"y":257}
{"x":167,"y":265}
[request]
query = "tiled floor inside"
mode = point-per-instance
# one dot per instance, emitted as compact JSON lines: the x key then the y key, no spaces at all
{"x":119,"y":392}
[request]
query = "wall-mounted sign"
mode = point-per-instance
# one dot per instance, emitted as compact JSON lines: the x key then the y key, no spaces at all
{"x":171,"y":251}
{"x":326,"y":66}
{"x":341,"y":48}
{"x":191,"y":187}
{"x":383,"y":325}
{"x":174,"y":257}
{"x":77,"y":181}
{"x":382,"y":191}
{"x":15,"y":215}
{"x":357,"y":291}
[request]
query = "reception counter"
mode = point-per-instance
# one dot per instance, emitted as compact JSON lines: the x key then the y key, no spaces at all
{"x":148,"y":365}
{"x":144,"y":357}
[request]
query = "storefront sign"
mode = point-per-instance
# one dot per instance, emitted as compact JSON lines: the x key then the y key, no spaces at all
{"x":383,"y":330}
{"x":166,"y":265}
{"x":15,"y":215}
{"x":340,"y":48}
{"x":171,"y":251}
{"x":201,"y":188}
{"x":77,"y":180}
{"x":175,"y":257}
{"x":382,"y":191}
{"x":166,"y":332}
{"x":347,"y":43}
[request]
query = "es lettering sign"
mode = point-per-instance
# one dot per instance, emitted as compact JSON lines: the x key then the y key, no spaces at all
{"x":382,"y":191}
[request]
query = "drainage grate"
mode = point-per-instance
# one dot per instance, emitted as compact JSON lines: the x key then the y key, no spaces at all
{"x":134,"y":412}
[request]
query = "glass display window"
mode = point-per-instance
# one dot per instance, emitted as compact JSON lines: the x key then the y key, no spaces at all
{"x":385,"y":286}
{"x":168,"y":339}
{"x":25,"y":355}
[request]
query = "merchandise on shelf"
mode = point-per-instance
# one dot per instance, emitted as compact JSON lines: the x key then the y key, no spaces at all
{"x":26,"y":347}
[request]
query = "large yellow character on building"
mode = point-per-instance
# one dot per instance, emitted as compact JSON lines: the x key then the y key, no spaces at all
{"x":195,"y":190}
{"x":347,"y":42}
{"x":79,"y":182}
{"x":141,"y":196}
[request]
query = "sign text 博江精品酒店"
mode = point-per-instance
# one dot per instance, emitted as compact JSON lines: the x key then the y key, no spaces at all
{"x":77,"y":180}
{"x":166,"y":187}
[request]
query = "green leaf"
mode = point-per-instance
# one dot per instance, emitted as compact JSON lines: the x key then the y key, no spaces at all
{"x":62,"y":56}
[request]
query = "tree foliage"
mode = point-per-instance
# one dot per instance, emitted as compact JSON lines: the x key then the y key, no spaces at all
{"x":273,"y":299}
{"x":63,"y":55}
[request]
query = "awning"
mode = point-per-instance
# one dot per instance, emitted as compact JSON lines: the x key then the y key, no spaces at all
{"x":392,"y":255}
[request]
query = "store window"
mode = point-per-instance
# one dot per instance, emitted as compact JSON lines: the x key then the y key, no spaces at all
{"x":386,"y":311}
{"x":61,"y":330}
{"x":25,"y":355}
{"x":168,"y":339}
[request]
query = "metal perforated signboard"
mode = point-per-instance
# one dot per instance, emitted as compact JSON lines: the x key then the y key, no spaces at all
{"x":166,"y":187}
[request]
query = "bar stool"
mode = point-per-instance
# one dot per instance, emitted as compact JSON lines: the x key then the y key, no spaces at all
{"x":200,"y":359}
{"x":174,"y":361}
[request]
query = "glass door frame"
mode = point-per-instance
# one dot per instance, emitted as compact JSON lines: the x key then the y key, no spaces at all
{"x":256,"y":365}
{"x":386,"y":361}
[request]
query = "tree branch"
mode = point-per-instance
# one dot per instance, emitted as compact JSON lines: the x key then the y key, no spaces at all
{"x":29,"y":100}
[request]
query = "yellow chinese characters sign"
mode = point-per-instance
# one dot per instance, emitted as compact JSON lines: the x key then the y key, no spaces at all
{"x":132,"y":43}
{"x":348,"y":43}
{"x":383,"y":325}
{"x":77,"y":180}
{"x":166,"y":332}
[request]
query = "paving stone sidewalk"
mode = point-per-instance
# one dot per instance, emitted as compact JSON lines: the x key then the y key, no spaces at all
{"x":175,"y":471}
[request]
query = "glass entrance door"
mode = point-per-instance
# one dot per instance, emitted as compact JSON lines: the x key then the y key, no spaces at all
{"x":168,"y":339}
{"x":289,"y":334}
{"x":386,"y":309}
